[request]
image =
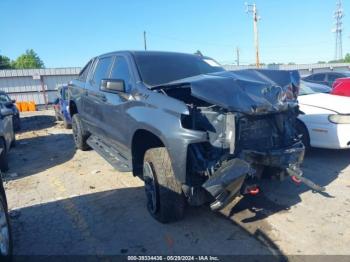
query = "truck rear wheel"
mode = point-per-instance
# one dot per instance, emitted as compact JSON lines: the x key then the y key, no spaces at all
{"x":165,"y":199}
{"x":80,"y":136}
{"x":66,"y":124}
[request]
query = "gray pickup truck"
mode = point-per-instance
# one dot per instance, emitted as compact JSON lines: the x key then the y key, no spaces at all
{"x":194,"y":132}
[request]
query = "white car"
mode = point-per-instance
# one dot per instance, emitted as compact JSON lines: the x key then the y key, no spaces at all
{"x":325,"y":119}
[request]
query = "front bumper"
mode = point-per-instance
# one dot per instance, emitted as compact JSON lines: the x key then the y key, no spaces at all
{"x":329,"y":135}
{"x":281,"y":158}
{"x":229,"y":179}
{"x":227,"y":182}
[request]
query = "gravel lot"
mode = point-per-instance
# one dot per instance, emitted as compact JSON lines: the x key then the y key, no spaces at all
{"x":65,"y":201}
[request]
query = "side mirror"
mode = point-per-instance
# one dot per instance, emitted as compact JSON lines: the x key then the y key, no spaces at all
{"x":112,"y":85}
{"x":13,"y":101}
{"x":6,"y":112}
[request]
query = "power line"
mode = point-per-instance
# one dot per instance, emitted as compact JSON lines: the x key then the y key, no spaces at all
{"x":237,"y":55}
{"x":338,"y":15}
{"x":251,"y":8}
{"x":145,"y":40}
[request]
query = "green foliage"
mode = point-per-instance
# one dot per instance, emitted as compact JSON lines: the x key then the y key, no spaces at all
{"x":29,"y":59}
{"x":347,"y":58}
{"x":5,"y":62}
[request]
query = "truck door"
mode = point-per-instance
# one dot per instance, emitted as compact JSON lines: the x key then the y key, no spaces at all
{"x":116,"y":121}
{"x":95,"y":99}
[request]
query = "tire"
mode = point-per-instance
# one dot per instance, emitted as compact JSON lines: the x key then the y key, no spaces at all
{"x":57,"y":117}
{"x":79,"y":134}
{"x":305,"y":139}
{"x":6,"y":247}
{"x":66,"y":124}
{"x":165,"y":199}
{"x":4,"y":167}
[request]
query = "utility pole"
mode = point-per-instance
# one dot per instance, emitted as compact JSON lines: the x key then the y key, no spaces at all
{"x":145,"y":40}
{"x":338,"y":29}
{"x":237,"y":55}
{"x":251,"y":8}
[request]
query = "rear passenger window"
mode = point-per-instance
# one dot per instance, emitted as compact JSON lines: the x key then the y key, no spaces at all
{"x":120,"y":69}
{"x":84,"y":72}
{"x":102,"y":70}
{"x":319,"y":77}
{"x":333,"y":77}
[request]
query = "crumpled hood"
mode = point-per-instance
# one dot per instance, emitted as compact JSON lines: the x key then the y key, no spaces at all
{"x":247,"y":91}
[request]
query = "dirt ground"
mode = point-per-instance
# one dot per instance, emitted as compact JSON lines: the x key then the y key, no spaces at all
{"x":64,"y":201}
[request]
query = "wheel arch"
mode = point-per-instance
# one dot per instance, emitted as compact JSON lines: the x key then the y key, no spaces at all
{"x":304,"y":126}
{"x":142,"y":140}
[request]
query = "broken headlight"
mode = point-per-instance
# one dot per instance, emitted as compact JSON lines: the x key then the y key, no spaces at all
{"x":339,"y":119}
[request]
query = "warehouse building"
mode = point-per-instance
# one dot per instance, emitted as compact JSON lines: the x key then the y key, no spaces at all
{"x":37,"y":85}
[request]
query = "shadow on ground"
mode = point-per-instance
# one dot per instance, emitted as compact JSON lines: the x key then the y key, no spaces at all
{"x":117,"y":222}
{"x":321,"y":166}
{"x":38,"y":153}
{"x":33,"y":123}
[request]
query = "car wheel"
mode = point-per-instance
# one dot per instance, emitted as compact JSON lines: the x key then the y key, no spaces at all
{"x":80,"y":136}
{"x":165,"y":199}
{"x":5,"y":229}
{"x":302,"y":130}
{"x":57,"y":117}
{"x":3,"y":157}
{"x":66,"y":124}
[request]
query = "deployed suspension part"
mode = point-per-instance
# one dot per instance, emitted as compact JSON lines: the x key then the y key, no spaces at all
{"x":296,"y":172}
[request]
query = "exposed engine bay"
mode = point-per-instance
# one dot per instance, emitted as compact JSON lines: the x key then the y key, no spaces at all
{"x":250,"y":119}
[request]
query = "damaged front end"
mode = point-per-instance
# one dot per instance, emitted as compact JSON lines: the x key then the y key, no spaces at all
{"x":250,"y":119}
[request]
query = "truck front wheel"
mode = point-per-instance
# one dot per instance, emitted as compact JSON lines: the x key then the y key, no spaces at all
{"x":80,"y":136}
{"x":165,"y":199}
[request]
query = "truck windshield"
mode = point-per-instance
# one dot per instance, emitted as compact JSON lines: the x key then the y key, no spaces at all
{"x":161,"y":68}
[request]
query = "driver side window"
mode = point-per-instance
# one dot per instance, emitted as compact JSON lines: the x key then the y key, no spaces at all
{"x":120,"y":70}
{"x":102,"y":71}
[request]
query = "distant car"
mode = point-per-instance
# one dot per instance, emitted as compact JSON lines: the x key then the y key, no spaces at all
{"x":7,"y":135}
{"x":5,"y":229}
{"x":324,"y":121}
{"x":341,"y":87}
{"x":318,"y":88}
{"x":7,"y":102}
{"x":61,"y":107}
{"x":326,"y":78}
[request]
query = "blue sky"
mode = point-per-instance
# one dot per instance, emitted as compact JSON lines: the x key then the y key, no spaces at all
{"x":68,"y":33}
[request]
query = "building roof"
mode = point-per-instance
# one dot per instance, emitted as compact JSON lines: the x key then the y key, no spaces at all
{"x":40,"y":72}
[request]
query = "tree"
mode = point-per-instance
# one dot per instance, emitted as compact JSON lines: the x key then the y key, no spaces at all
{"x":5,"y":62}
{"x":29,"y":59}
{"x":347,"y":58}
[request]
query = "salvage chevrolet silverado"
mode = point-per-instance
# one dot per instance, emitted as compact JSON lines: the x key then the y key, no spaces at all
{"x":191,"y":130}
